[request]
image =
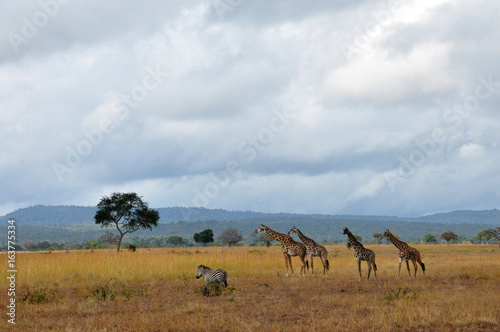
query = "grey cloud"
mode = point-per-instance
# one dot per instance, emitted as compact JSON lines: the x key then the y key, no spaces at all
{"x":255,"y":108}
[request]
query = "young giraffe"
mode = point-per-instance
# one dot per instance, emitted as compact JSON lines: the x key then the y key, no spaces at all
{"x":289,"y":246}
{"x":407,"y":253}
{"x":313,"y":249}
{"x":362,"y":254}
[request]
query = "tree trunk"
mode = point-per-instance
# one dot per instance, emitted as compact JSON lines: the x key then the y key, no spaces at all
{"x":119,"y":243}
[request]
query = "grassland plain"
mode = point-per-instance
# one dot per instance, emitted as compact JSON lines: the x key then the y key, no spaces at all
{"x":156,"y":290}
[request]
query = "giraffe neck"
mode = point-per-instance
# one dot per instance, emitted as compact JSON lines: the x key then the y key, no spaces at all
{"x":275,"y":235}
{"x":399,"y":244}
{"x":304,"y":238}
{"x":354,"y":243}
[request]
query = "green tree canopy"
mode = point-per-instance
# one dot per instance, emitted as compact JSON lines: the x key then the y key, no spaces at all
{"x":175,"y":240}
{"x":448,"y":236}
{"x":127,"y":212}
{"x":43,"y":245}
{"x":204,"y":237}
{"x":430,"y":238}
{"x":485,"y":236}
{"x":495,"y":233}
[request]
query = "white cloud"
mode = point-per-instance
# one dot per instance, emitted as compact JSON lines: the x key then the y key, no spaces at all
{"x":383,"y":75}
{"x":471,"y":151}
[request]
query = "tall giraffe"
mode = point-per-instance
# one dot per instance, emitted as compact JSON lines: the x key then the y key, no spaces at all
{"x":407,"y":253}
{"x":362,"y":254}
{"x":313,"y":249}
{"x":289,"y":246}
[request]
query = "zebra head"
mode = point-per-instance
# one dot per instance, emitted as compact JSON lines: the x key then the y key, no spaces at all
{"x":293,"y":230}
{"x":201,"y":271}
{"x":261,"y":228}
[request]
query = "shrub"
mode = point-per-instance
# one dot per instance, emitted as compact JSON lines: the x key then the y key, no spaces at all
{"x":214,"y":289}
{"x":401,"y":293}
{"x":38,"y":296}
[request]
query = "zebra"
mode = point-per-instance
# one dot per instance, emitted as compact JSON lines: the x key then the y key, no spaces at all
{"x":212,"y":275}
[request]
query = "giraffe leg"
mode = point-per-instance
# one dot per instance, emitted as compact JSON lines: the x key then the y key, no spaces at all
{"x":290,"y":262}
{"x":408,"y":267}
{"x":312,"y":264}
{"x":415,"y":266}
{"x":375,"y":269}
{"x":304,"y":265}
{"x":400,"y":261}
{"x":369,"y":268}
{"x":286,"y":262}
{"x":359,"y":269}
{"x":324,"y":264}
{"x":422,"y":265}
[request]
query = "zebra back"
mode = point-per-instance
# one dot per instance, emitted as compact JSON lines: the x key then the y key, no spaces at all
{"x":210,"y":275}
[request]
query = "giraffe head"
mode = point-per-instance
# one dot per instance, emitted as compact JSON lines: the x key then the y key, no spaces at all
{"x":387,"y":234}
{"x":293,"y":231}
{"x":261,"y":228}
{"x":346,"y":231}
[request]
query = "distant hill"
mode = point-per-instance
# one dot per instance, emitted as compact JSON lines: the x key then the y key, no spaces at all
{"x":491,"y":217}
{"x":75,"y":223}
{"x":84,"y":215}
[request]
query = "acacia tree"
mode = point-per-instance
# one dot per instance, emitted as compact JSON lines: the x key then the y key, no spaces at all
{"x":430,"y":238}
{"x":266,"y":238}
{"x":484,"y":235}
{"x":204,"y":237}
{"x":230,"y":236}
{"x":29,"y":245}
{"x":109,"y":238}
{"x":127,"y":212}
{"x":175,"y":240}
{"x":448,"y":236}
{"x":378,"y":237}
{"x":495,"y":233}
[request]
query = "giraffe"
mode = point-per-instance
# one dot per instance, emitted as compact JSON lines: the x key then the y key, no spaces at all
{"x":362,"y":254}
{"x":313,"y":249}
{"x":289,"y":246}
{"x":407,"y":253}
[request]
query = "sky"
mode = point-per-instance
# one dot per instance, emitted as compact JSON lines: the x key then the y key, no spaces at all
{"x":332,"y":107}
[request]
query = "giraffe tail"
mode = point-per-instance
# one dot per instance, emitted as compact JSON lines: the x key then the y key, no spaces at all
{"x":374,"y":266}
{"x":423,"y":266}
{"x":327,"y":265}
{"x":307,"y":265}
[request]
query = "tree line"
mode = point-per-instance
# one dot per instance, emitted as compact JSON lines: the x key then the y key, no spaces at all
{"x":128,"y":213}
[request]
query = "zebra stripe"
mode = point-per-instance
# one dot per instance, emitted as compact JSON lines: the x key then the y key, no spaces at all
{"x":212,"y":275}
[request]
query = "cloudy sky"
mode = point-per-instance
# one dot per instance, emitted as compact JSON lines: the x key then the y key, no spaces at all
{"x":342,"y":107}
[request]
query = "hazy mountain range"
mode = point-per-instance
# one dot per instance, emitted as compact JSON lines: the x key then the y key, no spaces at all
{"x":75,"y":223}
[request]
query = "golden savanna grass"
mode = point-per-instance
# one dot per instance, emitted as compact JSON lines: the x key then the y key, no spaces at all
{"x":156,"y":290}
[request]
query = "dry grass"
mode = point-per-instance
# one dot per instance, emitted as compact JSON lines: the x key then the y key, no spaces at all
{"x":155,"y":290}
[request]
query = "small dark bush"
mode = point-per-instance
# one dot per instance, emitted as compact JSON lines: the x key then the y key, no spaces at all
{"x":38,"y":296}
{"x":214,"y":289}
